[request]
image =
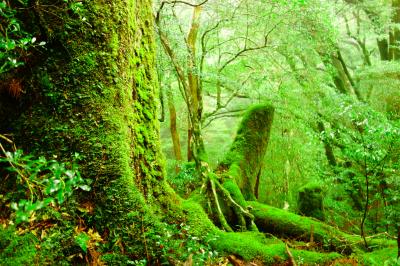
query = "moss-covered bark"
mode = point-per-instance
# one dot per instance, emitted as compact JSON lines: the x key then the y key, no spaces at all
{"x":244,"y":161}
{"x":92,"y":90}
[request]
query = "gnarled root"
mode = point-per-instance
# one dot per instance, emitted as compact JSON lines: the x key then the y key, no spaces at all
{"x":229,"y":212}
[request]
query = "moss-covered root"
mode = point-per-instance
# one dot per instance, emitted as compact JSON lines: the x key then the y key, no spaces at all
{"x":249,"y":245}
{"x":228,"y":205}
{"x":253,"y":245}
{"x":245,"y":158}
{"x":286,"y":224}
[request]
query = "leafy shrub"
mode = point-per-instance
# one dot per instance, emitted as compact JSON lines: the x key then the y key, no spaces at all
{"x":174,"y":244}
{"x":186,"y":180}
{"x":16,"y":42}
{"x":40,"y":182}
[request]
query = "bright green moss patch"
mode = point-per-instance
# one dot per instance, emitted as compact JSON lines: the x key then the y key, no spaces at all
{"x":385,"y":256}
{"x":197,"y":219}
{"x":287,"y":224}
{"x":304,"y":257}
{"x":16,"y":249}
{"x":252,"y":245}
{"x":234,"y":190}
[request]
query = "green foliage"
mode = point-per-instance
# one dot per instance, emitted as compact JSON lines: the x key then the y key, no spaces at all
{"x":82,"y":240}
{"x":15,"y":42}
{"x":186,"y":180}
{"x":176,"y":243}
{"x":45,"y":182}
{"x":385,"y":257}
{"x":120,"y":259}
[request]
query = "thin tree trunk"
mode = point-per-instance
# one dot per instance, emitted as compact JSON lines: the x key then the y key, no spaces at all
{"x":398,"y":242}
{"x":195,"y":142}
{"x":173,"y":126}
{"x":330,"y":156}
{"x":189,"y":141}
{"x":349,"y":77}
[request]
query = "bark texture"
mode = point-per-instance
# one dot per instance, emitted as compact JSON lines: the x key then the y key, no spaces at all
{"x":93,"y":90}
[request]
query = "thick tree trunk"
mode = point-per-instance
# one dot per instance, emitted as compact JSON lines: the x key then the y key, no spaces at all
{"x":93,"y":91}
{"x":394,"y":36}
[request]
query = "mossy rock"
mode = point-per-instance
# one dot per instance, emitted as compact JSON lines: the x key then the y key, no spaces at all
{"x":311,"y":201}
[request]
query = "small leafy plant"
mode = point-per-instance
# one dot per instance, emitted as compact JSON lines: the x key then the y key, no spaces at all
{"x":14,"y":41}
{"x":175,"y":244}
{"x":43,"y":182}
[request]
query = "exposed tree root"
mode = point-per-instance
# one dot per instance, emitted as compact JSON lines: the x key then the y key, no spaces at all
{"x":231,"y":215}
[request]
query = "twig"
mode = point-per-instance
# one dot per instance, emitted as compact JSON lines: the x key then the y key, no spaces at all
{"x":312,"y":234}
{"x":26,"y":180}
{"x":292,"y":261}
{"x":6,"y":139}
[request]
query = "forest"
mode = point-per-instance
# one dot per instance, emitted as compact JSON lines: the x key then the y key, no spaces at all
{"x":200,"y":132}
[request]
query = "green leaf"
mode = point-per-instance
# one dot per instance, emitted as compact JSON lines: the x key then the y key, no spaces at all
{"x":85,"y":187}
{"x":82,"y":240}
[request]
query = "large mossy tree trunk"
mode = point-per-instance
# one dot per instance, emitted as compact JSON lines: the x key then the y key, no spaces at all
{"x":92,"y":90}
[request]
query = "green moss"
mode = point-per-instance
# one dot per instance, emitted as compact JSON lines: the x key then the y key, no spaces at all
{"x":16,"y":249}
{"x":385,"y":256}
{"x":197,"y":219}
{"x":252,"y":245}
{"x":235,"y":192}
{"x":95,"y":93}
{"x":245,"y":158}
{"x":287,"y":224}
{"x":305,"y":257}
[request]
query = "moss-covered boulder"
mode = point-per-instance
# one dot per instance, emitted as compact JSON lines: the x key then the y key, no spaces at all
{"x":310,"y":202}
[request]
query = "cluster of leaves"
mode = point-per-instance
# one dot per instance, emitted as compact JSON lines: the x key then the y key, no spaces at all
{"x":176,"y":244}
{"x":14,"y":41}
{"x":367,"y":156}
{"x":40,"y":182}
{"x":186,"y":180}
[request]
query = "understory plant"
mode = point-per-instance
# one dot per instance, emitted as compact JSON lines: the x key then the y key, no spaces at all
{"x":33,"y":183}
